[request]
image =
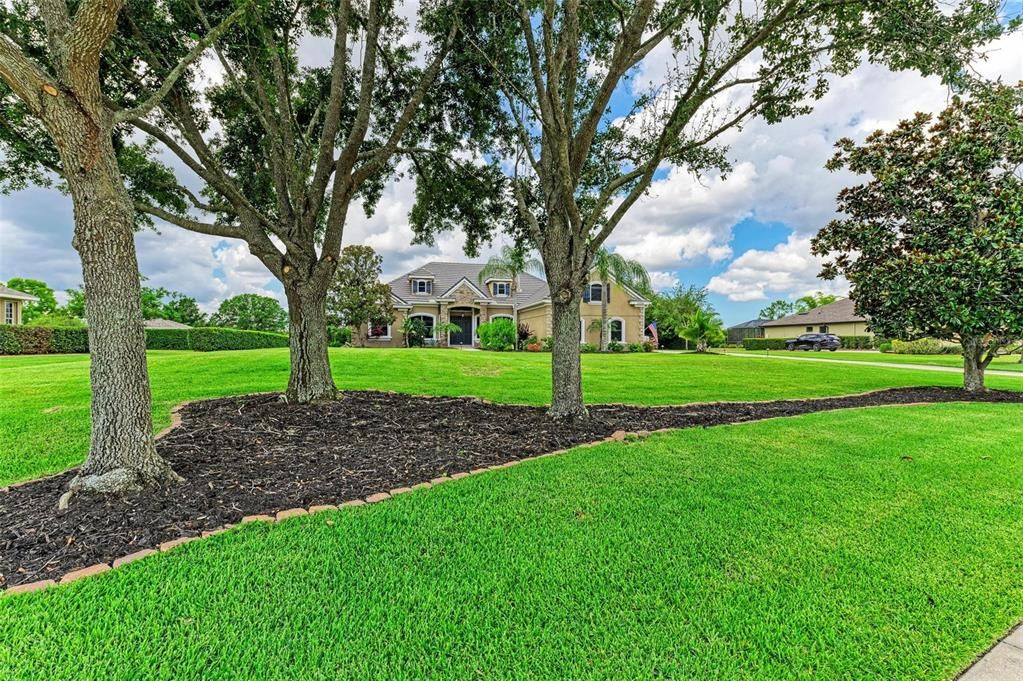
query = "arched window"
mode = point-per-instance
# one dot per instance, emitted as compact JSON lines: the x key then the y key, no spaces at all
{"x":617,"y":333}
{"x":428,"y":321}
{"x":595,"y":292}
{"x":501,"y":316}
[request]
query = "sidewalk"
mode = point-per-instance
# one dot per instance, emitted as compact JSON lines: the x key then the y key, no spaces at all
{"x":886,"y":365}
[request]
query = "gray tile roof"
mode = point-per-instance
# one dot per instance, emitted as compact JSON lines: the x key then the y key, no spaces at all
{"x":14,"y":294}
{"x":446,"y":274}
{"x":165,"y":324}
{"x":751,"y":324}
{"x":833,"y":313}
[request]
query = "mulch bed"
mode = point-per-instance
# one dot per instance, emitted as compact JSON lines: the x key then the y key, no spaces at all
{"x":249,"y":455}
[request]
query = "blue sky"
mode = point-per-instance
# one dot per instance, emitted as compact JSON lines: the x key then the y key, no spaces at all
{"x":745,"y":237}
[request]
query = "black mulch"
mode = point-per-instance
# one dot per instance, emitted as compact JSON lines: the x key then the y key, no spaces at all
{"x":248,"y":455}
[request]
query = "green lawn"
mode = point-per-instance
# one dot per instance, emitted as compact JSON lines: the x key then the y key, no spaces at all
{"x":1003,"y":363}
{"x":44,"y":400}
{"x":878,"y":543}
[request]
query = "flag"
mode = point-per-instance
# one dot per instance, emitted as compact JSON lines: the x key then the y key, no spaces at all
{"x":653,"y":332}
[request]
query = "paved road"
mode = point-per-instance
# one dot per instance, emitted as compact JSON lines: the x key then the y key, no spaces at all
{"x":886,"y":365}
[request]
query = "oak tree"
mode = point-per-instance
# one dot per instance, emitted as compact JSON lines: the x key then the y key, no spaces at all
{"x":356,"y":296}
{"x":590,"y":126}
{"x":57,"y":114}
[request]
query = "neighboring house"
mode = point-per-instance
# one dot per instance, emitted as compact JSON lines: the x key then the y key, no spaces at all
{"x":11,"y":302}
{"x":754,"y":328}
{"x":442,"y":292}
{"x":165,"y":324}
{"x":838,"y":318}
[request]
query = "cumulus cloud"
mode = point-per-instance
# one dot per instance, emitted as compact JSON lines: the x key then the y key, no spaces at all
{"x":787,"y":270}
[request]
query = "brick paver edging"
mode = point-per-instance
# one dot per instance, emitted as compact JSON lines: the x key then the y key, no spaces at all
{"x":279,"y":516}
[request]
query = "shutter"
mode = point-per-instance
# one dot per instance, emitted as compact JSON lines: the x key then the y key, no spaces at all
{"x":607,"y":293}
{"x":586,"y":293}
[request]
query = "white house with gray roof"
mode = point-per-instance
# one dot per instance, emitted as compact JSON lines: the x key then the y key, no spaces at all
{"x":11,"y":302}
{"x":442,"y":292}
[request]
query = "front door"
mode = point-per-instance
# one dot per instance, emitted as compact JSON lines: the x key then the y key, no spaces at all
{"x":464,"y":334}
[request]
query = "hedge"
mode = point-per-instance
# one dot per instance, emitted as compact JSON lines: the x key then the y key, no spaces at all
{"x":763,"y":343}
{"x":207,"y":339}
{"x":167,"y":339}
{"x":40,"y":340}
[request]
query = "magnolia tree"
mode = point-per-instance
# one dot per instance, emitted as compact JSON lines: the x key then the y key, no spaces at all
{"x":933,"y":241}
{"x":58,"y":117}
{"x":595,"y":97}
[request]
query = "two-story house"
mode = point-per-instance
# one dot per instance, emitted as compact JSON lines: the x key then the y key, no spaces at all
{"x":445,"y":292}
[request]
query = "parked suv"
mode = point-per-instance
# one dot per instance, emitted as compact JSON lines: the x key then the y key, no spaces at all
{"x":815,"y":341}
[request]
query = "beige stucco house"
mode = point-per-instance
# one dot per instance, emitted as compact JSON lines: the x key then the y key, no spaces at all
{"x":839,"y":318}
{"x":442,"y":292}
{"x":11,"y":302}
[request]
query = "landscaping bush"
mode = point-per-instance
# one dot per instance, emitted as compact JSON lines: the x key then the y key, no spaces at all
{"x":534,"y":347}
{"x":637,"y":347}
{"x":763,"y":343}
{"x":885,"y":346}
{"x":615,"y":346}
{"x":57,"y":320}
{"x":498,"y":334}
{"x":339,"y":336}
{"x":66,"y":340}
{"x":547,"y":342}
{"x":587,"y":347}
{"x":209,"y":339}
{"x":925,"y":346}
{"x":166,"y":339}
{"x":859,"y":342}
{"x":524,"y":334}
{"x":25,"y":340}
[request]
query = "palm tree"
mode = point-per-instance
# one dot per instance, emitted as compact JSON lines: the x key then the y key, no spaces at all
{"x":626,"y":272}
{"x":511,"y":262}
{"x":704,"y":328}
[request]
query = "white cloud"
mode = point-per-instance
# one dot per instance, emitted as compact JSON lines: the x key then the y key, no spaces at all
{"x":787,"y":270}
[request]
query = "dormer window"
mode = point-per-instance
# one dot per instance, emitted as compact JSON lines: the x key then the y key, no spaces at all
{"x":502,"y":289}
{"x":422,"y":286}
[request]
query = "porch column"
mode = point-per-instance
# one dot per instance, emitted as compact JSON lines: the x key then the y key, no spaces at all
{"x":484,"y":318}
{"x":442,"y":318}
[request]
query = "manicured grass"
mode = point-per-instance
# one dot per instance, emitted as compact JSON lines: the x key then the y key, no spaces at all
{"x":44,"y":400}
{"x":880,"y":543}
{"x":1003,"y":363}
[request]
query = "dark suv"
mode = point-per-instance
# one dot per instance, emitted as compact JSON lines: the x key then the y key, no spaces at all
{"x":815,"y":341}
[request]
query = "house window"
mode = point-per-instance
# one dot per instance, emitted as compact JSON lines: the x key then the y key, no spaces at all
{"x":8,"y":313}
{"x":379,"y":329}
{"x":422,"y":286}
{"x":809,"y":329}
{"x":824,"y":328}
{"x":502,"y":289}
{"x":617,"y":331}
{"x":594,"y":293}
{"x":427,"y":320}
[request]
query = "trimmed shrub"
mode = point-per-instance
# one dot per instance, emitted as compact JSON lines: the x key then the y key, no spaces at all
{"x":859,"y":342}
{"x":615,"y":346}
{"x":637,"y":347}
{"x":57,"y":320}
{"x":26,"y":340}
{"x":208,"y":339}
{"x":587,"y":347}
{"x":547,"y":343}
{"x":885,"y":346}
{"x":67,"y":340}
{"x":763,"y":343}
{"x":339,"y":336}
{"x":499,"y":334}
{"x":167,"y":339}
{"x":925,"y":346}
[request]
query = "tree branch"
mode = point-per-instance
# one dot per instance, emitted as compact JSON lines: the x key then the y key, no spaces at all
{"x":179,"y":69}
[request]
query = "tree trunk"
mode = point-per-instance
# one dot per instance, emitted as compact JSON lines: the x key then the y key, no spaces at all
{"x":566,"y":369}
{"x":605,"y":332}
{"x":311,"y":379}
{"x":122,"y":454}
{"x":973,"y":363}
